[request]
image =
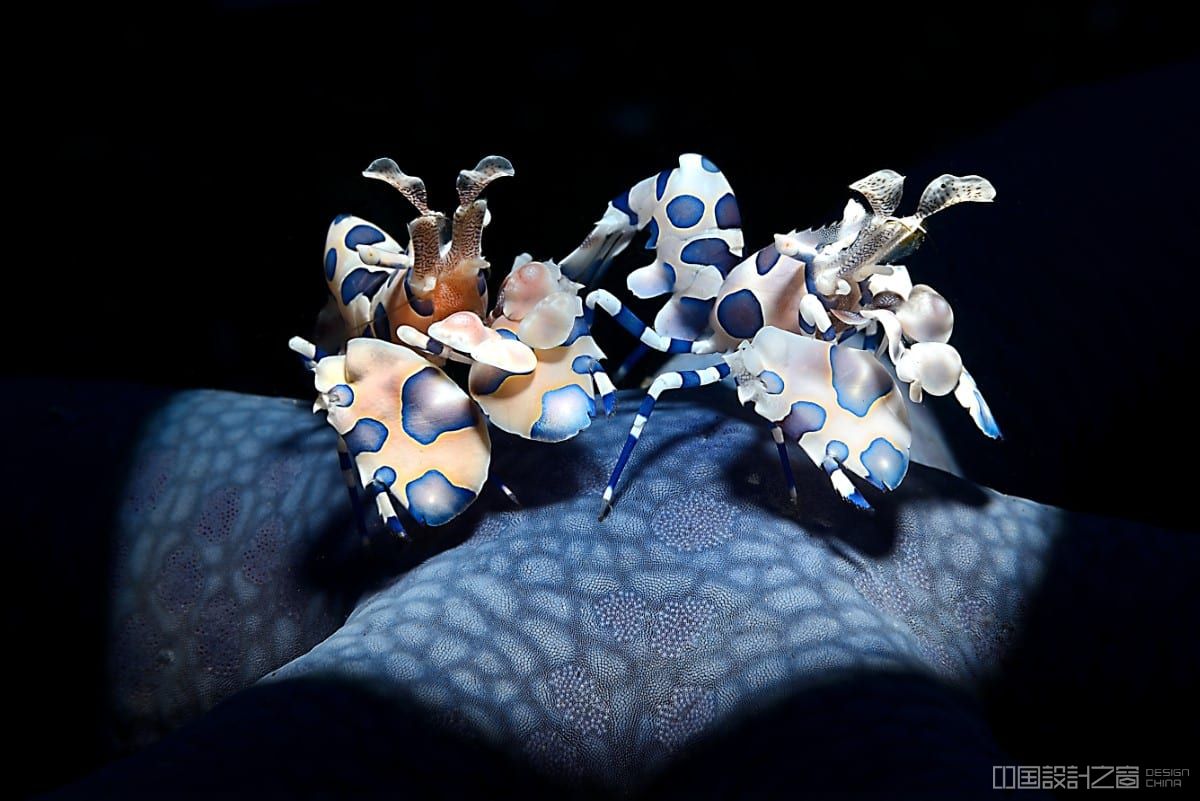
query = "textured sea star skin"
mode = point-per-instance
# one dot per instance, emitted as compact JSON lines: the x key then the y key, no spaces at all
{"x":705,"y":639}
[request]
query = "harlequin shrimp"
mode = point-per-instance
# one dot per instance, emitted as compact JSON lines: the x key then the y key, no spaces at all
{"x":405,"y":429}
{"x":794,"y":302}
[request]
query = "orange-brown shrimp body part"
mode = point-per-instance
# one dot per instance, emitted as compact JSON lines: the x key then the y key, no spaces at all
{"x":442,"y":271}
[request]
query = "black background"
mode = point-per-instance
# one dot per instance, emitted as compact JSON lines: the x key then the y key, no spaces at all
{"x":184,"y":169}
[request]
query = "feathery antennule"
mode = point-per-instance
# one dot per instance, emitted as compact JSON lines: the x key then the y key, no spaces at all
{"x":948,"y":190}
{"x":410,"y":186}
{"x":472,"y":182}
{"x":882,"y":190}
{"x":425,"y":234}
{"x":467,"y":234}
